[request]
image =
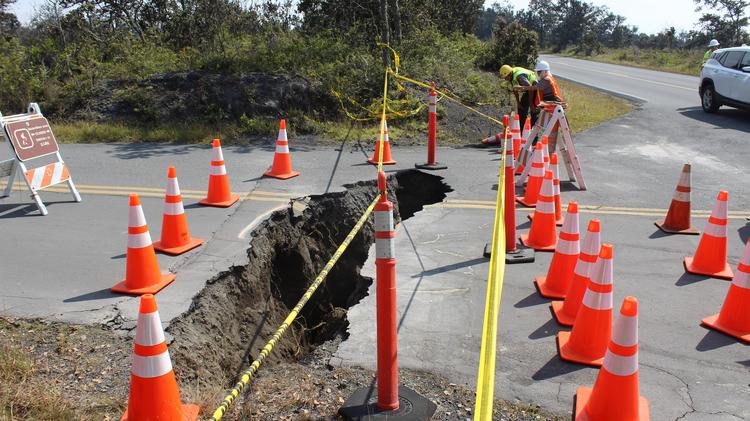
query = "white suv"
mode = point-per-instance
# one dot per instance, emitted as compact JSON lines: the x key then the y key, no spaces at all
{"x":725,"y":79}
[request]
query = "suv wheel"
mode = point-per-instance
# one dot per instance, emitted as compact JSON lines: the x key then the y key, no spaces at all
{"x":708,"y":99}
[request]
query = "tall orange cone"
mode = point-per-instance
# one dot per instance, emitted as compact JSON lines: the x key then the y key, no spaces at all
{"x":734,"y":317}
{"x":711,"y":256}
{"x":536,"y":176}
{"x":565,"y":311}
{"x":542,"y":236}
{"x":545,"y":151}
{"x":515,"y":134}
{"x":154,"y":394}
{"x":560,"y":272}
{"x":219,"y":193}
{"x":175,"y":234}
{"x":615,"y":395}
{"x":387,"y":159}
{"x":587,"y":342}
{"x":282,"y":159}
{"x":678,"y":215}
{"x":556,"y":190}
{"x":142,"y":275}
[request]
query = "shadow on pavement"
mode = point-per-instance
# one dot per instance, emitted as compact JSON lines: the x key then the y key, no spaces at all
{"x":725,"y":118}
{"x":689,"y":279}
{"x":660,"y":234}
{"x":744,"y":233}
{"x":746,"y":363}
{"x":119,"y":256}
{"x":556,"y":367}
{"x":546,"y":330}
{"x":448,"y":268}
{"x":148,"y":150}
{"x":714,"y":340}
{"x":533,"y":299}
{"x":91,"y":296}
{"x":20,"y":210}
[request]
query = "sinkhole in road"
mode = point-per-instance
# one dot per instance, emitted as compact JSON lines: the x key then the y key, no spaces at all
{"x":231,"y":319}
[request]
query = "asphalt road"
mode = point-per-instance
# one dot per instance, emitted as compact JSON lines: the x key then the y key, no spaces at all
{"x":61,"y":266}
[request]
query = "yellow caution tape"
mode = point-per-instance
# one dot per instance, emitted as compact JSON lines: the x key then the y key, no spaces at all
{"x":486,"y":378}
{"x":245,"y":378}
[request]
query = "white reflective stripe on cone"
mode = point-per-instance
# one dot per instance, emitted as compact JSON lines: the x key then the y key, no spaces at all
{"x":150,"y":367}
{"x":173,"y":188}
{"x":217,"y":154}
{"x":136,"y":217}
{"x":742,"y":280}
{"x":282,"y":135}
{"x":139,"y":241}
{"x":174,"y":208}
{"x":383,"y":221}
{"x":681,"y":196}
{"x":619,"y":365}
{"x":567,"y":247}
{"x":384,"y":248}
{"x":537,"y":171}
{"x":597,"y":300}
{"x":715,"y":230}
{"x":625,"y":332}
{"x":583,"y":267}
{"x":720,"y":209}
{"x":433,"y":108}
{"x":684,"y":180}
{"x":282,"y":148}
{"x":148,"y":331}
{"x":545,"y":207}
{"x":218,"y":170}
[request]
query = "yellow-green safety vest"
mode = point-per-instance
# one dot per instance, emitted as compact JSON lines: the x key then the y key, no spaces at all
{"x":518,"y":71}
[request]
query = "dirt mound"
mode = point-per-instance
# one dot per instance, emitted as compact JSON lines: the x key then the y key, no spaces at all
{"x":238,"y":311}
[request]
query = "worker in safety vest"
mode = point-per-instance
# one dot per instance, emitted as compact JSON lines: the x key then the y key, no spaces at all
{"x":713,"y":45}
{"x":547,"y":91}
{"x":521,"y":80}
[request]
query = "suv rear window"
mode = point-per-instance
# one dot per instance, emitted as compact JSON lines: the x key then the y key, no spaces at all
{"x":732,"y":59}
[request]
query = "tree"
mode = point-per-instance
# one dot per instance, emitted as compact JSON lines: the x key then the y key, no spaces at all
{"x":729,"y":26}
{"x":512,"y":44}
{"x":8,"y":21}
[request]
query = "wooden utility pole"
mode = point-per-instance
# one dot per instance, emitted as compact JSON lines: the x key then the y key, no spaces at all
{"x":396,"y":17}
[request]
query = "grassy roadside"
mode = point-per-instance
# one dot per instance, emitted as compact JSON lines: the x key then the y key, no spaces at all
{"x":673,"y":61}
{"x":457,"y":125}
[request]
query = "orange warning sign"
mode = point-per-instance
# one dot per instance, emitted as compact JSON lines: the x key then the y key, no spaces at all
{"x":31,"y":138}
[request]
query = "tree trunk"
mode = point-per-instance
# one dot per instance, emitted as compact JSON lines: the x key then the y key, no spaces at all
{"x":384,"y":31}
{"x":396,"y":17}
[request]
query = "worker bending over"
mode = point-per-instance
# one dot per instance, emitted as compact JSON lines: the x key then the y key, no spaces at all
{"x":521,"y":80}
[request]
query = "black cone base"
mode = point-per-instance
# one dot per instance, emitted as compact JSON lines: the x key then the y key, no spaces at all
{"x":519,"y":255}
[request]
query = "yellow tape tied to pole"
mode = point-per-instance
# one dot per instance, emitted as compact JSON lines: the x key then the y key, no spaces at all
{"x":245,"y":379}
{"x":486,"y":377}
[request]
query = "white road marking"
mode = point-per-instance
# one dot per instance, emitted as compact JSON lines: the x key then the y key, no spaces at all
{"x":257,"y":220}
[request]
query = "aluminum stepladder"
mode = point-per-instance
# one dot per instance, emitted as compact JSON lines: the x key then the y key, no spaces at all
{"x":554,"y":113}
{"x":39,"y":178}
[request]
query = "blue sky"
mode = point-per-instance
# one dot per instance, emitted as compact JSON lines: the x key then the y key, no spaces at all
{"x":649,"y":15}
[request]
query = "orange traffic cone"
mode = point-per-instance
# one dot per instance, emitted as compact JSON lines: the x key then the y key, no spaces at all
{"x":711,"y":257}
{"x":387,"y":159}
{"x":560,"y":272}
{"x":565,"y":311}
{"x":526,"y":128}
{"x":219,"y":193}
{"x":175,"y":235}
{"x":493,"y":140}
{"x":545,"y":151}
{"x":142,"y":275}
{"x":515,"y":134}
{"x":556,"y":190}
{"x":734,"y":317}
{"x":678,"y":215}
{"x":615,"y":396}
{"x":154,"y":394}
{"x":282,"y":159}
{"x":542,"y":235}
{"x":587,"y":342}
{"x":522,"y":157}
{"x":535,"y":179}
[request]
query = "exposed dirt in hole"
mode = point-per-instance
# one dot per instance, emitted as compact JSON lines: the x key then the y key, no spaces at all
{"x":231,"y":319}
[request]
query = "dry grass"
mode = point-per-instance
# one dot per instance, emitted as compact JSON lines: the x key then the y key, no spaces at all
{"x":589,"y":107}
{"x":673,"y":61}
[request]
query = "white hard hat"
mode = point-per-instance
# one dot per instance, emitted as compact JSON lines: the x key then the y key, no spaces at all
{"x":713,"y":43}
{"x":541,"y":65}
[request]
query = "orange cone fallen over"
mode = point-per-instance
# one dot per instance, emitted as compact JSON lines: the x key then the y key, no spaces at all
{"x":142,"y":274}
{"x":587,"y":342}
{"x":560,"y":273}
{"x":219,"y":193}
{"x":175,"y":234}
{"x":734,"y":317}
{"x":678,"y":215}
{"x":282,"y":159}
{"x":154,"y":394}
{"x":387,"y":159}
{"x":543,"y":236}
{"x":565,"y":311}
{"x":711,"y":256}
{"x":536,"y":175}
{"x":615,"y":395}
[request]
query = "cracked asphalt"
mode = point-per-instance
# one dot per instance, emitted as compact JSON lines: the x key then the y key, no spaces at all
{"x":61,"y":266}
